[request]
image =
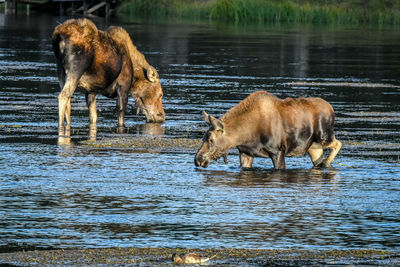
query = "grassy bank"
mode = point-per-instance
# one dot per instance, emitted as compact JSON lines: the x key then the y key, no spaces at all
{"x":376,"y":12}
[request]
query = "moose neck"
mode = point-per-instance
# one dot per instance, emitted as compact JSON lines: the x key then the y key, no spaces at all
{"x":140,"y":64}
{"x":242,"y":121}
{"x":138,"y":73}
{"x":239,"y":130}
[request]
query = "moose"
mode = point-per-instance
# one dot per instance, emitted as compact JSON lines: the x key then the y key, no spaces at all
{"x":263,"y":125}
{"x":104,"y":62}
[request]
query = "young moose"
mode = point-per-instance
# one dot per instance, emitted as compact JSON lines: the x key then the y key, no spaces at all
{"x":104,"y":62}
{"x":262,"y":125}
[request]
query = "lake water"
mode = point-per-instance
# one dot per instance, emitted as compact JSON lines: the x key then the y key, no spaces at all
{"x":62,"y":193}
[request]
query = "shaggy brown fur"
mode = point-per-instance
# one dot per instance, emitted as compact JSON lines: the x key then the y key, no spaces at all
{"x":104,"y":62}
{"x":138,"y":59}
{"x":81,"y":32}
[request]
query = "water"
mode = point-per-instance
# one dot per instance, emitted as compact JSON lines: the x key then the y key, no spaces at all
{"x":74,"y":195}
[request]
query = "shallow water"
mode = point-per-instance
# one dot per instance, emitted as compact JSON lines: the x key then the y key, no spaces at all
{"x":61,"y":193}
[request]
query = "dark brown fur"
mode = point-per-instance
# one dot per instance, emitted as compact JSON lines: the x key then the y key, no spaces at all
{"x":263,"y":125}
{"x":104,"y":62}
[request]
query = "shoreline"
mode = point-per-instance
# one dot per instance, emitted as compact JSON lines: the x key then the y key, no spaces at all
{"x":221,"y":257}
{"x":265,"y":12}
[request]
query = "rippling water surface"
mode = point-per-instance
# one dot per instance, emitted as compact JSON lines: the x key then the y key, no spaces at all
{"x":63,"y":193}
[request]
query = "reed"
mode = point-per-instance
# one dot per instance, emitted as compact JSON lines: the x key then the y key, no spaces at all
{"x":165,"y":9}
{"x":263,"y":11}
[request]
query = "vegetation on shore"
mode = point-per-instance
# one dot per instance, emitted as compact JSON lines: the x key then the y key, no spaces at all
{"x":352,"y":12}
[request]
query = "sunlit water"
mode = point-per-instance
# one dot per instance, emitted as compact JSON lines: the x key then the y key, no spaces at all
{"x":74,"y":195}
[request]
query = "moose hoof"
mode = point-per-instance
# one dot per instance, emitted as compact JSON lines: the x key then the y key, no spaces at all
{"x":319,"y":163}
{"x":326,"y":164}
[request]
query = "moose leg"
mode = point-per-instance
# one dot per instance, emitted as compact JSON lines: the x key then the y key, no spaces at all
{"x":122,"y":101}
{"x":61,"y":79}
{"x":64,"y":101}
{"x":278,"y":160}
{"x":61,"y":75}
{"x":68,"y":112}
{"x":334,"y":148}
{"x":124,"y":82}
{"x":91,"y":104}
{"x":246,"y":161}
{"x":316,"y":153}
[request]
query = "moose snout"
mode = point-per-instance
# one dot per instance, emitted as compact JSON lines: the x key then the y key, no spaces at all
{"x":156,"y":117}
{"x":196,"y":162}
{"x":160,"y":116}
{"x":199,"y":160}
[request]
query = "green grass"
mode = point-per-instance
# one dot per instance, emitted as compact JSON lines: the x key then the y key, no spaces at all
{"x":352,"y":12}
{"x":164,"y":8}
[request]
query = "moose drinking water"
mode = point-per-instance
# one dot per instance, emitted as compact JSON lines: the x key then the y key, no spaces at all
{"x":104,"y":62}
{"x":262,"y":125}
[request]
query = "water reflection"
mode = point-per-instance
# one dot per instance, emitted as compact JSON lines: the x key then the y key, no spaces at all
{"x":74,"y":195}
{"x":149,"y":129}
{"x":64,"y":136}
{"x":266,"y":177}
{"x":93,"y":132}
{"x":90,"y":132}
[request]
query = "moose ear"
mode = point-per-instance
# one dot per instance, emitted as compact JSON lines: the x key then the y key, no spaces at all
{"x":151,"y":74}
{"x":214,"y":122}
{"x":206,"y":117}
{"x":217,"y":124}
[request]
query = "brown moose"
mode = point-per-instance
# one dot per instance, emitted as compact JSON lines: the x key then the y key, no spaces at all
{"x":104,"y":62}
{"x":262,"y":125}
